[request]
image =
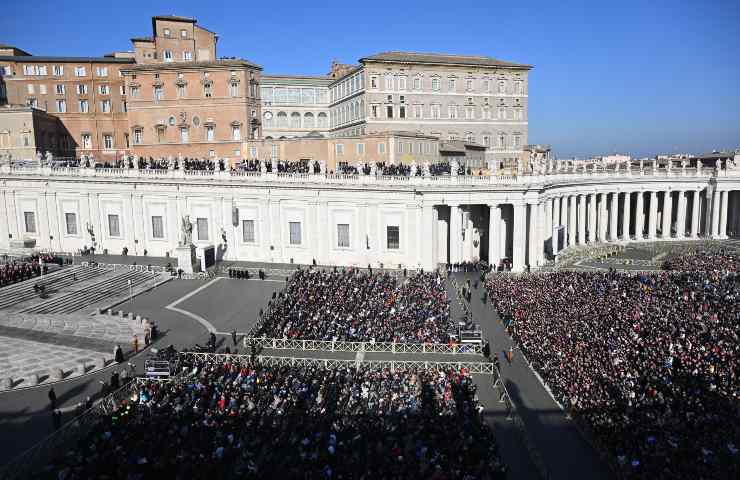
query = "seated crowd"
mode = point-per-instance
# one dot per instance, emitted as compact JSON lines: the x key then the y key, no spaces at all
{"x":703,"y":260}
{"x":648,"y":363}
{"x":358,"y":306}
{"x":228,"y":420}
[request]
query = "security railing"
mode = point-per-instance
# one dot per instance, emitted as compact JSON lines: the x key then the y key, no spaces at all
{"x":368,"y":347}
{"x":470,"y":367}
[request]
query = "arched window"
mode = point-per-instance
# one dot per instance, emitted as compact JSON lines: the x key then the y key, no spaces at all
{"x":267,"y":119}
{"x":469,"y":137}
{"x":295,"y":120}
{"x":308,"y":120}
{"x":282,"y":120}
{"x":322,"y":120}
{"x":171,"y":121}
{"x":361,"y":112}
{"x":352,"y":111}
{"x":501,"y":140}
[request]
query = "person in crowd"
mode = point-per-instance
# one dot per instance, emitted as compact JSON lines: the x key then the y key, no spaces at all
{"x":52,"y":398}
{"x":118,"y":354}
{"x":649,"y":363}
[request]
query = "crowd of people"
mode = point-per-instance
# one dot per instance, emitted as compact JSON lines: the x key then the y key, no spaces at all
{"x":649,"y":363}
{"x":703,"y":260}
{"x":13,"y":271}
{"x":359,"y":306}
{"x":252,"y":421}
{"x":281,"y":166}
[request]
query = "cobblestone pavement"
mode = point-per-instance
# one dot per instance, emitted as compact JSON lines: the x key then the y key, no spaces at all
{"x":106,"y":328}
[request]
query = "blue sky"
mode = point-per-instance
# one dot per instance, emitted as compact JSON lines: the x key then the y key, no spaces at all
{"x":640,"y":77}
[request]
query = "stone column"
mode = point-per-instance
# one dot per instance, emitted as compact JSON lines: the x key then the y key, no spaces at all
{"x":494,"y":233}
{"x":653,"y":216}
{"x":548,"y":217}
{"x":613,"y":213}
{"x":541,"y":233}
{"x":581,"y":219}
{"x":695,"y":207}
{"x":723,"y":214}
{"x":681,"y":215}
{"x":626,"y":214}
{"x":503,"y":237}
{"x":572,"y":224}
{"x":428,"y":225}
{"x":667,"y":214}
{"x":533,"y":232}
{"x":455,"y":227}
{"x":640,"y":215}
{"x":564,"y":220}
{"x":520,"y":225}
{"x":602,"y":217}
{"x":592,"y":218}
{"x":715,"y":213}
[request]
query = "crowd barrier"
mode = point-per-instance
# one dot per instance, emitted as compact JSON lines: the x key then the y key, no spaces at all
{"x":470,"y":367}
{"x":367,"y":347}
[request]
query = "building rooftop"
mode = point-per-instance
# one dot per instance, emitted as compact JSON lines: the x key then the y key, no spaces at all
{"x":315,"y":80}
{"x":174,"y":18}
{"x":40,"y":59}
{"x":441,"y":59}
{"x":236,"y":62}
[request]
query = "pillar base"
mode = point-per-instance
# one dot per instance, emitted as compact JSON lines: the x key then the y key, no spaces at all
{"x":186,"y":259}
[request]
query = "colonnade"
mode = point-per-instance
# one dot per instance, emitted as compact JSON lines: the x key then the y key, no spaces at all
{"x":529,"y":232}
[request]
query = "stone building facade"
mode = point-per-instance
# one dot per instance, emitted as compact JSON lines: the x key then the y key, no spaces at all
{"x":294,"y":106}
{"x":454,"y":97}
{"x":86,"y":93}
{"x":26,"y":130}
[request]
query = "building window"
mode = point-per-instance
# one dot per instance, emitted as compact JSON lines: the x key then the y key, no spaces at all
{"x":58,"y":70}
{"x":402,"y":112}
{"x":207,"y":90}
{"x":42,"y":90}
{"x":501,"y":87}
{"x":104,"y":89}
{"x":29,"y":219}
{"x":166,"y":32}
{"x":322,"y":123}
{"x":486,"y":86}
{"x":167,"y":55}
{"x":157,"y":227}
{"x":138,"y":136}
{"x":60,"y":88}
{"x":113,"y":226}
{"x":417,"y":83}
{"x":518,"y":87}
{"x":202,"y":227}
{"x":184,"y":33}
{"x":295,"y":120}
{"x":180,"y":91}
{"x":502,"y":140}
{"x":187,"y":55}
{"x":80,"y":72}
{"x":374,"y":81}
{"x":70,"y":219}
{"x":517,"y":141}
{"x":108,"y":141}
{"x":184,"y":135}
{"x":392,"y":237}
{"x":86,"y":140}
{"x":61,"y":106}
{"x":402,"y":83}
{"x":339,"y":148}
{"x":274,"y":152}
{"x":389,"y":82}
{"x":295,"y":232}
{"x":360,"y":149}
{"x":134,"y":91}
{"x":105,"y":106}
{"x":418,"y":111}
{"x":470,"y":113}
{"x":236,"y":132}
{"x":469,"y":84}
{"x":381,"y":148}
{"x":452,"y":85}
{"x":248,"y":231}
{"x":124,"y":107}
{"x":452,"y":111}
{"x":122,"y":89}
{"x":343,"y":235}
{"x":158,"y":93}
{"x":487,"y":140}
{"x":389,"y":111}
{"x":101,"y":71}
{"x":30,"y":89}
{"x":234,"y":89}
{"x":374,"y":111}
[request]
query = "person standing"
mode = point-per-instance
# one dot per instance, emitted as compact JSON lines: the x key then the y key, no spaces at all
{"x":118,"y":354}
{"x":233,"y":336}
{"x":510,"y":354}
{"x":56,"y":417}
{"x":136,"y":344}
{"x":52,"y":399}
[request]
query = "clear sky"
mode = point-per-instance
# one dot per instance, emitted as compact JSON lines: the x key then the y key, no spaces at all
{"x":639,"y":77}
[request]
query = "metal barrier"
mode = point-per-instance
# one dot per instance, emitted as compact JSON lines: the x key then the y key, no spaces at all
{"x":368,"y":347}
{"x":470,"y":367}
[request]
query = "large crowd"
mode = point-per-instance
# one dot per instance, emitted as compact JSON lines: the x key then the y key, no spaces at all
{"x":648,"y":363}
{"x":228,"y":420}
{"x":17,"y":271}
{"x":360,"y":306}
{"x":703,"y":260}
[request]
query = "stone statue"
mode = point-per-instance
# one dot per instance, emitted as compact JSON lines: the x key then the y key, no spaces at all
{"x":718,"y":164}
{"x":642,"y":166}
{"x":322,"y":166}
{"x":373,"y":169}
{"x":49,"y":159}
{"x":273,"y":162}
{"x":454,"y":166}
{"x":186,"y":232}
{"x":735,"y":163}
{"x":314,"y":166}
{"x":263,"y":166}
{"x":519,"y":169}
{"x":426,"y":170}
{"x":549,"y":165}
{"x":38,"y":158}
{"x":413,"y":169}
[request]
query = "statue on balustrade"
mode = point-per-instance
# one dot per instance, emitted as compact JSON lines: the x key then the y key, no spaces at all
{"x":426,"y":170}
{"x":263,"y":166}
{"x":718,"y":164}
{"x":322,"y":166}
{"x":49,"y":159}
{"x":186,"y":231}
{"x":414,"y":169}
{"x":454,"y":167}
